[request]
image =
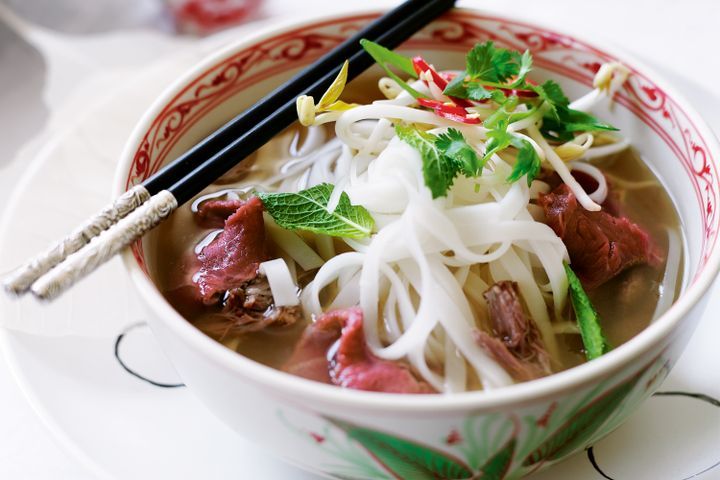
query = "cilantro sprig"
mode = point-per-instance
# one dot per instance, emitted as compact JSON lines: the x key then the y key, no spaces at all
{"x":444,"y":156}
{"x":489,"y":66}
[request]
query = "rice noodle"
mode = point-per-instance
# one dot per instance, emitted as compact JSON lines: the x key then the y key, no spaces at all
{"x":422,"y":297}
{"x":605,"y":150}
{"x":295,"y":246}
{"x":283,"y":288}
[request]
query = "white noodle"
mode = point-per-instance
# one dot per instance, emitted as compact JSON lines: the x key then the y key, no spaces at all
{"x":283,"y":288}
{"x":420,"y":278}
{"x":605,"y":150}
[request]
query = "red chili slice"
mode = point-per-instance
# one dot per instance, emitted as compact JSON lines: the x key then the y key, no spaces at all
{"x":518,"y":92}
{"x":437,"y":104}
{"x":420,"y":66}
{"x":457,"y":118}
{"x":451,"y":112}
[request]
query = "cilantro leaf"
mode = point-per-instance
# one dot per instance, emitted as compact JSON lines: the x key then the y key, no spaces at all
{"x":560,"y":121}
{"x":577,"y":121}
{"x":526,"y":64}
{"x":488,"y":63}
{"x":454,"y":146}
{"x":456,"y":87}
{"x":552,"y":94}
{"x":478,"y":92}
{"x":439,"y":171}
{"x":307,"y":210}
{"x":460,"y":88}
{"x":563,"y":126}
{"x":554,"y":129}
{"x":385,"y":57}
{"x":527,"y":163}
{"x":587,"y":318}
{"x":497,"y":139}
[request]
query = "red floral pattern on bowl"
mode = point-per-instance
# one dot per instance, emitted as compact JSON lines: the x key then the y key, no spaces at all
{"x":555,"y":52}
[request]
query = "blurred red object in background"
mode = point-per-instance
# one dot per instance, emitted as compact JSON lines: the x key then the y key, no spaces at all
{"x":206,"y":16}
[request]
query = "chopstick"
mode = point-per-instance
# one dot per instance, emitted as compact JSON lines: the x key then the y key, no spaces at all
{"x":144,"y":206}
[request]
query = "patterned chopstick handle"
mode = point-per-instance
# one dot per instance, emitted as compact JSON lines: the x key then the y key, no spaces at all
{"x":20,"y":280}
{"x":105,"y":246}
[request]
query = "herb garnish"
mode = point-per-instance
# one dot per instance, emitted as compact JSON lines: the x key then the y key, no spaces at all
{"x":307,"y":210}
{"x":587,"y":318}
{"x":385,"y":57}
{"x":444,"y":157}
{"x":491,"y":74}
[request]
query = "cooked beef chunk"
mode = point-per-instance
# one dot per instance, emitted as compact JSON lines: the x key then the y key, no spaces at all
{"x":233,"y":257}
{"x":600,"y":245}
{"x":333,"y":350}
{"x":249,"y":308}
{"x":515,"y":342}
{"x":213,"y":213}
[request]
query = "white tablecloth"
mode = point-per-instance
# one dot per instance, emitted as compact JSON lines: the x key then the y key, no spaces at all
{"x":679,"y":38}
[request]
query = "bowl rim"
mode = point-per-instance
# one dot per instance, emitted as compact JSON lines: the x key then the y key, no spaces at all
{"x":502,"y":398}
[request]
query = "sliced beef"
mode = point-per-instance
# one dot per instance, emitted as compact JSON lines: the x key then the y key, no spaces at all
{"x":213,"y":213}
{"x":515,"y":341}
{"x":333,"y":350}
{"x":233,"y":257}
{"x":222,"y":282}
{"x":600,"y":245}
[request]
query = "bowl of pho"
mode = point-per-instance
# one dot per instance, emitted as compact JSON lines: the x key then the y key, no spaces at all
{"x":479,"y":257}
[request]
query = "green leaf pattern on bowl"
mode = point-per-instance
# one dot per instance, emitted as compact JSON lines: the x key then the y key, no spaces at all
{"x":487,"y":447}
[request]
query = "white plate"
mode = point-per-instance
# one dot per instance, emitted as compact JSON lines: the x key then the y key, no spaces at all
{"x":122,"y":427}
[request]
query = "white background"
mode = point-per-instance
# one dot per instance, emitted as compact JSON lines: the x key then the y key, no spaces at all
{"x":679,"y":38}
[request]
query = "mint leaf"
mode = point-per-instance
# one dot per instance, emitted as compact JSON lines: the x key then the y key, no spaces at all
{"x":454,"y":146}
{"x":527,"y":163}
{"x":488,"y":63}
{"x":307,"y":210}
{"x":385,"y":57}
{"x":587,"y":318}
{"x":439,"y":171}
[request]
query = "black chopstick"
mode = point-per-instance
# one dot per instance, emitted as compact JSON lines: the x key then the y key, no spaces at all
{"x":409,"y":16}
{"x":146,"y":205}
{"x":280,"y":118}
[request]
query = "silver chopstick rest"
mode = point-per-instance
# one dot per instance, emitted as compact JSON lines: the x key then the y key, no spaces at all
{"x":20,"y":280}
{"x":105,"y":246}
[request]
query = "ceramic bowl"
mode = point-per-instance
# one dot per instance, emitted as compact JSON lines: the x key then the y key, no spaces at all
{"x":502,"y":433}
